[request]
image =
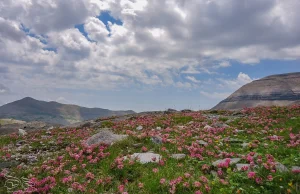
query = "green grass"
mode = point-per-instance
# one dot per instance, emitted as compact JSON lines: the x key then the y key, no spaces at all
{"x":179,"y":141}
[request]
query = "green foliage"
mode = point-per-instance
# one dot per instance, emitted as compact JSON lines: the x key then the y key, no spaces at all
{"x":107,"y":124}
{"x":182,"y":119}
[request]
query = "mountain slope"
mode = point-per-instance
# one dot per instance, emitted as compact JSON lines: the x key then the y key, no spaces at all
{"x":279,"y":90}
{"x":29,"y":109}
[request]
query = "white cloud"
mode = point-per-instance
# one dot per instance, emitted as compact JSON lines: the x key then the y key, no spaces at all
{"x":3,"y":89}
{"x":96,"y":29}
{"x":234,"y":84}
{"x":215,"y":95}
{"x":224,"y":64}
{"x":158,"y":41}
{"x":193,"y":79}
{"x":183,"y":85}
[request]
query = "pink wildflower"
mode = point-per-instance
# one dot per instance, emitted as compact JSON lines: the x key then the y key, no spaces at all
{"x":155,"y":170}
{"x":251,"y":175}
{"x":162,"y":181}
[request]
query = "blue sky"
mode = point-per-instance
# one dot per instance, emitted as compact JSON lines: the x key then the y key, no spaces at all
{"x":143,"y":55}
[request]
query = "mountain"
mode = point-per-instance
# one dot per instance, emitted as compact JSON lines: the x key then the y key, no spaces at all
{"x":29,"y":109}
{"x":279,"y":90}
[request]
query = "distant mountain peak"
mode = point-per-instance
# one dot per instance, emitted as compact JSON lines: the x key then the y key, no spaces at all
{"x":30,"y":109}
{"x":279,"y":90}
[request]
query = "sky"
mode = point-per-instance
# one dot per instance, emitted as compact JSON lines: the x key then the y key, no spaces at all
{"x":143,"y":54}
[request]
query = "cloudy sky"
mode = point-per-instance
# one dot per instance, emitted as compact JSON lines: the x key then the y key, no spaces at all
{"x":143,"y":54}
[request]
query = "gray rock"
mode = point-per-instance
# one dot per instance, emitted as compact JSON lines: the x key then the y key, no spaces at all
{"x":137,"y":145}
{"x":239,"y":131}
{"x":280,"y":167}
{"x":201,"y":142}
{"x":221,"y":125}
{"x":105,"y":137}
{"x":139,"y":128}
{"x":232,"y":140}
{"x":295,"y":168}
{"x":208,"y":127}
{"x":232,"y":161}
{"x":245,"y":145}
{"x":156,"y":140}
{"x":8,"y":164}
{"x":22,"y":132}
{"x":214,"y":173}
{"x":186,"y":111}
{"x":178,"y":156}
{"x":32,"y":158}
{"x":20,"y":143}
{"x":170,"y":111}
{"x":181,"y":127}
{"x":240,"y":166}
{"x":228,"y":121}
{"x":145,"y":157}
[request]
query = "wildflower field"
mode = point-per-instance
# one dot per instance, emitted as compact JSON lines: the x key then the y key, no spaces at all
{"x":252,"y":151}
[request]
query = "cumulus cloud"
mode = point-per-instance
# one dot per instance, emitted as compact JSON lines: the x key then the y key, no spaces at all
{"x":215,"y":95}
{"x":241,"y":80}
{"x":224,"y":64}
{"x":4,"y":90}
{"x":193,"y":79}
{"x":156,"y":42}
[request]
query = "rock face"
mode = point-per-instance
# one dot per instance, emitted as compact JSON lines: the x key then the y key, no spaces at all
{"x":279,"y":90}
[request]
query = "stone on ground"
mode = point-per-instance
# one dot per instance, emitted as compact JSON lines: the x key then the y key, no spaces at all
{"x":280,"y":167}
{"x":22,"y":132}
{"x":232,"y":161}
{"x":178,"y":156}
{"x":208,"y":127}
{"x":105,"y":137}
{"x":240,"y":166}
{"x":156,"y":140}
{"x":201,"y":142}
{"x":144,"y":158}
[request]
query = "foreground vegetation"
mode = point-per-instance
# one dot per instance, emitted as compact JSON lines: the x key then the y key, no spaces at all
{"x":266,"y":140}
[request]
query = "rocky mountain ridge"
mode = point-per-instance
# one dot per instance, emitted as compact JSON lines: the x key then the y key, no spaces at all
{"x":29,"y":109}
{"x":279,"y":90}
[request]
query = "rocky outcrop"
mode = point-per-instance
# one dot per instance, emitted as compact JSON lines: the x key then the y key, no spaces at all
{"x":278,"y":90}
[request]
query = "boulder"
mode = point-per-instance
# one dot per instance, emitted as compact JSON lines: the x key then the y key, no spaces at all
{"x":146,"y":157}
{"x":240,"y":166}
{"x":156,"y":140}
{"x":137,"y":145}
{"x":8,"y":164}
{"x":201,"y":142}
{"x":295,"y":168}
{"x":178,"y":156}
{"x":170,"y":111}
{"x":221,"y":125}
{"x":232,"y":140}
{"x":208,"y":127}
{"x":105,"y":137}
{"x":232,"y":161}
{"x":22,"y":132}
{"x":280,"y":167}
{"x":245,"y":145}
